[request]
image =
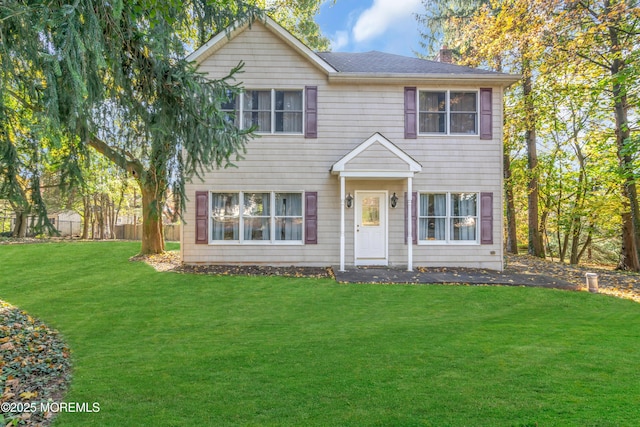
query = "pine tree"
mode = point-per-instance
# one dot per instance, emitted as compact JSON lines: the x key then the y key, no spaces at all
{"x":111,"y":76}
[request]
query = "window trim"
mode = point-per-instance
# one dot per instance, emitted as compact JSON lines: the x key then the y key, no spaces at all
{"x":448,"y":112}
{"x":272,"y":219}
{"x":448,"y":218}
{"x":239,"y":112}
{"x":258,"y":111}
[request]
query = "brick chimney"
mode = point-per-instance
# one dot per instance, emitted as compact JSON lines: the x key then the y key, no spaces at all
{"x":445,"y":55}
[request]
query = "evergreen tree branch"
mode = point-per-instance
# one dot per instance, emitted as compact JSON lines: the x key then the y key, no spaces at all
{"x":26,"y":104}
{"x":119,"y":157}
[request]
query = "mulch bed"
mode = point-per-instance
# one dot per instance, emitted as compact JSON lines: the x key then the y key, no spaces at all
{"x":257,"y":270}
{"x":170,"y":261}
{"x":612,"y":282}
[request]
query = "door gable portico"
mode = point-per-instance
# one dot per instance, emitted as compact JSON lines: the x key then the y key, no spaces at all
{"x":376,"y":158}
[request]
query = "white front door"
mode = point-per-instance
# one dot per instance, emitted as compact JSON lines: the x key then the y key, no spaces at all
{"x":371,"y":228}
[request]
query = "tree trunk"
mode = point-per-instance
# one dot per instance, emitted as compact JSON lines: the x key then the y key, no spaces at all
{"x":634,"y":225}
{"x":587,"y":244}
{"x":542,"y":230}
{"x":512,"y":235}
{"x":575,"y":243}
{"x":578,"y":207}
{"x":152,"y":230}
{"x":86,"y":201}
{"x":21,"y":225}
{"x":536,"y":246}
{"x":564,"y":247}
{"x":153,"y":183}
{"x":629,"y":258}
{"x":116,"y":210}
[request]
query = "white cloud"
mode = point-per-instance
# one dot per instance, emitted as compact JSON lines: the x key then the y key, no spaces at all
{"x":383,"y":14}
{"x":339,"y":40}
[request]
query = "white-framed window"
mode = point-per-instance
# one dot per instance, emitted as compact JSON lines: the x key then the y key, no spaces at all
{"x":256,"y":217}
{"x":225,"y":215}
{"x":447,"y":112}
{"x":268,"y":110}
{"x":448,"y":217}
{"x":288,"y":216}
{"x":229,"y":107}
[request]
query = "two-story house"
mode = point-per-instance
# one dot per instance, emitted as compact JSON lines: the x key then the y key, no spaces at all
{"x":363,"y":159}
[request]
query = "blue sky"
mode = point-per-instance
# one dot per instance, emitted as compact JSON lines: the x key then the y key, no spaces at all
{"x":364,"y":25}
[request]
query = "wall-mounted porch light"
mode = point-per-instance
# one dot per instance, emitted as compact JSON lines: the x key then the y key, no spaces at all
{"x":394,"y":200}
{"x":349,"y":200}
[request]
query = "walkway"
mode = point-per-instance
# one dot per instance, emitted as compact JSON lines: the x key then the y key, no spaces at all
{"x":448,"y":275}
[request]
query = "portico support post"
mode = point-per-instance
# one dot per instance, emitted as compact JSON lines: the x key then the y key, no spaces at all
{"x":342,"y":239}
{"x":409,"y":224}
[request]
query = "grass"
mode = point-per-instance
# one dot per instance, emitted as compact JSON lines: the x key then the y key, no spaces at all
{"x":165,"y":349}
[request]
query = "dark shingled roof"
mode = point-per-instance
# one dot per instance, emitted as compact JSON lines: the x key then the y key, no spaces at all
{"x":380,"y":62}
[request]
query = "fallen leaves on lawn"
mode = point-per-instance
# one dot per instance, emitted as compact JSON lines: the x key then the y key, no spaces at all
{"x":622,"y":284}
{"x":34,"y":365}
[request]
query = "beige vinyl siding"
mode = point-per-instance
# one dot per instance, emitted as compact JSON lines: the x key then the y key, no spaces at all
{"x":347,"y":116}
{"x":378,"y":155}
{"x":263,"y":55}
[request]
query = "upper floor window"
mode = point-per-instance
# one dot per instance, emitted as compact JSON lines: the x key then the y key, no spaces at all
{"x":269,"y":111}
{"x":448,"y":112}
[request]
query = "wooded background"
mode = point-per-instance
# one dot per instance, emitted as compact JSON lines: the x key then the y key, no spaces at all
{"x":571,"y":124}
{"x":96,"y":101}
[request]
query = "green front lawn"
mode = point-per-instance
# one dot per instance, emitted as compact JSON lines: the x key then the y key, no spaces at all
{"x":167,"y":349}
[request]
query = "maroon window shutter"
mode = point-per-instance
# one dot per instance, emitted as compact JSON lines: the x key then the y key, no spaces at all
{"x":486,"y":218}
{"x":202,"y":217}
{"x":486,"y":115}
{"x":311,"y":112}
{"x":311,"y":217}
{"x":410,"y":113}
{"x":414,"y":218}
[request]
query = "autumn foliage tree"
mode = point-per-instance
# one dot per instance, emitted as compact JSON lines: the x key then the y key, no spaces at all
{"x":573,"y":121}
{"x":505,"y":41}
{"x":605,"y":36}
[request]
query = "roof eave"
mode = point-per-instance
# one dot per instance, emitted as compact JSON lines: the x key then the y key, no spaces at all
{"x":215,"y":43}
{"x":503,"y":80}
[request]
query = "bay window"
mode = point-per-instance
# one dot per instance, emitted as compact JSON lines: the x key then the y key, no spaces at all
{"x":448,"y":217}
